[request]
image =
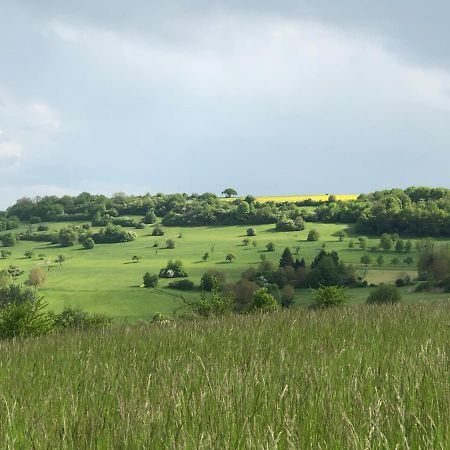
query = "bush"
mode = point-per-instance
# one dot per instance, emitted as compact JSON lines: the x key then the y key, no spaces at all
{"x":22,"y":313}
{"x":88,"y":243}
{"x":78,"y":319}
{"x":113,"y":234}
{"x":270,"y":247}
{"x":287,"y":296}
{"x":149,"y":218}
{"x":157,"y":231}
{"x":14,"y":271}
{"x":263,"y":301}
{"x":174,"y":269}
{"x":209,"y":305}
{"x":290,"y":225}
{"x":8,"y":240}
{"x":251,"y":232}
{"x":212,"y":280}
{"x":183,"y":285}
{"x":42,"y":228}
{"x":385,"y":294}
{"x":159,"y":317}
{"x":330,"y":296}
{"x":313,"y":235}
{"x":170,"y":243}
{"x":150,"y":280}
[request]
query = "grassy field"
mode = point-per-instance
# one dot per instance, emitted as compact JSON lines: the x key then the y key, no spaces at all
{"x":352,"y":378}
{"x":105,"y":280}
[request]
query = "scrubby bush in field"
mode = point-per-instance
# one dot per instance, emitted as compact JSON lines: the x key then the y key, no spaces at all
{"x":157,"y":231}
{"x":251,"y":232}
{"x":174,"y":269}
{"x":290,"y":225}
{"x":159,"y":317}
{"x":14,"y":271}
{"x":230,"y":257}
{"x":8,"y":240}
{"x":287,"y":296}
{"x":330,"y":296}
{"x":385,"y":294}
{"x":182,"y":285}
{"x":36,"y":278}
{"x":88,"y":243}
{"x":22,"y":313}
{"x":150,"y":280}
{"x":78,"y":319}
{"x":170,"y":243}
{"x":210,"y":304}
{"x":149,"y":218}
{"x":264,"y":301}
{"x":270,"y":247}
{"x":113,"y":234}
{"x":67,"y":237}
{"x":5,"y":254}
{"x":313,"y":235}
{"x":212,"y":280}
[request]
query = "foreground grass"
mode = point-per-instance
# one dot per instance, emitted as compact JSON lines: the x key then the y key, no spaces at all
{"x":359,"y":377}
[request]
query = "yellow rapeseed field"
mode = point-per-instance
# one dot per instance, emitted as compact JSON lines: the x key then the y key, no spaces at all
{"x":300,"y":198}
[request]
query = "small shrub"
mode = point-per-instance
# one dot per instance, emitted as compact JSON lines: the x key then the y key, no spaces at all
{"x":264,"y":301}
{"x":157,"y":231}
{"x":251,"y":232}
{"x":78,"y":319}
{"x":183,"y":285}
{"x":150,"y":280}
{"x":313,"y":235}
{"x":88,"y":243}
{"x":330,"y":296}
{"x":385,"y":294}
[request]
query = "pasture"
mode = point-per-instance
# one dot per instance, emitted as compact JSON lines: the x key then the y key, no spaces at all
{"x":106,"y":280}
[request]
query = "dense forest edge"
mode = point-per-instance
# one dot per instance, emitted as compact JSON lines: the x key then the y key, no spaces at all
{"x":417,"y":211}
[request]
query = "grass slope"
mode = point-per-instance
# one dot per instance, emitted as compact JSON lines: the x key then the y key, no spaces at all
{"x":352,"y":378}
{"x":105,"y":280}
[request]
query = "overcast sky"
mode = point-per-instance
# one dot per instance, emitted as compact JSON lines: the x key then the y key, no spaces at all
{"x":274,"y":97}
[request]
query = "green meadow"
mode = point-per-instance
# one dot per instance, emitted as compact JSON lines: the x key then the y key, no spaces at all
{"x":106,"y":280}
{"x":359,"y":377}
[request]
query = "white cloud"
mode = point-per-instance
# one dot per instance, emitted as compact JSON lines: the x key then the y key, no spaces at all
{"x":10,"y":153}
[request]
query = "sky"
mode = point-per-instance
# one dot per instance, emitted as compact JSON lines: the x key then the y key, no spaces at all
{"x":268,"y":97}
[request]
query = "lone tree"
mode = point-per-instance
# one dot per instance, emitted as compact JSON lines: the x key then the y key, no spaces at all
{"x":60,"y":259}
{"x":230,"y":257}
{"x":28,"y":254}
{"x":286,"y":258}
{"x":270,"y":247}
{"x":251,"y":232}
{"x":229,"y":192}
{"x":170,"y":243}
{"x":205,"y":257}
{"x":341,"y":235}
{"x":36,"y":278}
{"x":409,"y":260}
{"x":136,"y":258}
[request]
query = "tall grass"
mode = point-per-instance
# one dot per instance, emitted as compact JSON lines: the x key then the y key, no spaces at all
{"x":350,"y":378}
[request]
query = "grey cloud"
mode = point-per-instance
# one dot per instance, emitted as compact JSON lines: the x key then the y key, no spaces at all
{"x":415,"y":29}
